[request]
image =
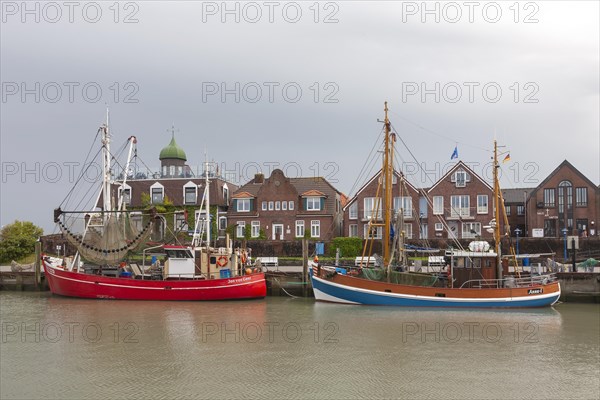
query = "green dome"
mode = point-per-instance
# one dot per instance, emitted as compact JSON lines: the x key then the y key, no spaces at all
{"x":172,"y":151}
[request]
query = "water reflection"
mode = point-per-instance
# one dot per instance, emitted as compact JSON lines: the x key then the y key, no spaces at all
{"x":293,"y":348}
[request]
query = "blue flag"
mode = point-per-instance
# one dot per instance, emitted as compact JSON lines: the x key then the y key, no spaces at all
{"x":454,"y":153}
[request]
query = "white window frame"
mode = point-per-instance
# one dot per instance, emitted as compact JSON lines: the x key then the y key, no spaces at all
{"x":313,"y":203}
{"x":290,"y":205}
{"x":177,"y":217}
{"x":378,"y":232}
{"x":482,"y":209}
{"x":439,"y":227}
{"x":225,"y":194}
{"x":157,"y":185}
{"x":264,"y":206}
{"x":315,"y":228}
{"x":222,"y":225}
{"x":351,"y":228}
{"x":254,"y":229}
{"x":438,"y":205}
{"x":277,"y":205}
{"x":463,"y":209}
{"x":125,"y":188}
{"x":271,"y":206}
{"x":284,"y":205}
{"x":299,"y":228}
{"x":137,"y":219}
{"x":408,"y":231}
{"x":353,"y":210}
{"x":369,"y":202}
{"x":467,"y":227}
{"x":240,"y":202}
{"x":240,"y":229}
{"x":404,"y":202}
{"x":188,"y":185}
{"x":461,"y":182}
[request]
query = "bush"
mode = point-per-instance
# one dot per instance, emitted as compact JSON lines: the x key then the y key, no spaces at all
{"x":18,"y":240}
{"x":349,"y":246}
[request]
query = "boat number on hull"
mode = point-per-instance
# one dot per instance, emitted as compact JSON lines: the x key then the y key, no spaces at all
{"x":535,"y":291}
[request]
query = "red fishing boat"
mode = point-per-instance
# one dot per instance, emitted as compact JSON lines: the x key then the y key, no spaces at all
{"x":101,"y":269}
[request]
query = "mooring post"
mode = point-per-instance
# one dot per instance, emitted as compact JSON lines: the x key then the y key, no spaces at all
{"x":38,"y":265}
{"x":574,"y":254}
{"x":305,"y":267}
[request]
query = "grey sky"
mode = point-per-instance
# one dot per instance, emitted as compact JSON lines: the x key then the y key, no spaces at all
{"x":176,"y":53}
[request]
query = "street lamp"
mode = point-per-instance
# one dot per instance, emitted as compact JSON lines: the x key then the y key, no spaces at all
{"x":517,"y":232}
{"x":564,"y":231}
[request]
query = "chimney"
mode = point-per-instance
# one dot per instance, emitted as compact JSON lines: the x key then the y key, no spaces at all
{"x":259,"y":178}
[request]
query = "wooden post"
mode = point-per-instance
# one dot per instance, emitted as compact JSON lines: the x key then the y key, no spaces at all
{"x":38,"y":265}
{"x":305,"y":267}
{"x":574,"y":254}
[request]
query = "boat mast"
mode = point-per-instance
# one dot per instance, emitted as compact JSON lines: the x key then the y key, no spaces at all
{"x":106,"y":195}
{"x":497,"y":205}
{"x":387,"y":185}
{"x":207,"y":194}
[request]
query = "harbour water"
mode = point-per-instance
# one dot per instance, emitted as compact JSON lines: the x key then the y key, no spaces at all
{"x":55,"y":347}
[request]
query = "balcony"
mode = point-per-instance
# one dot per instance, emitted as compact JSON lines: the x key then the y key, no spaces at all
{"x":463,"y":213}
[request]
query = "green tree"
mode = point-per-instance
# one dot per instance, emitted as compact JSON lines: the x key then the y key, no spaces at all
{"x":349,"y":246}
{"x":18,"y":240}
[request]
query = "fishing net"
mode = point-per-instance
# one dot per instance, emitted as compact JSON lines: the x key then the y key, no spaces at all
{"x":401,"y":278}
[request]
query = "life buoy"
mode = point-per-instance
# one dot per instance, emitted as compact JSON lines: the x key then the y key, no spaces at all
{"x":222,"y":261}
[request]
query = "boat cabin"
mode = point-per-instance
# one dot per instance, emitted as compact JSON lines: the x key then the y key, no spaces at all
{"x":185,"y":262}
{"x":476,"y":263}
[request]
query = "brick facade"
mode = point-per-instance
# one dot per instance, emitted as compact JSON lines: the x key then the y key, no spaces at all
{"x":464,"y":201}
{"x":359,"y":208}
{"x":565,"y":199}
{"x":281,"y":208}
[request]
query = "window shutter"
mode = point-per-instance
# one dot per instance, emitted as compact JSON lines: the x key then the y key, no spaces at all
{"x":322,"y":203}
{"x":234,"y":204}
{"x":251,"y":204}
{"x":304,"y":203}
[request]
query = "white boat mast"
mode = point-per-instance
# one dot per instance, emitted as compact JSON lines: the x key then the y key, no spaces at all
{"x":106,"y":195}
{"x":207,"y":194}
{"x":132,"y":141}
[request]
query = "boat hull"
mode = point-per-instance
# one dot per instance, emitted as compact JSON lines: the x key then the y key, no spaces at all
{"x":351,"y":290}
{"x":75,"y":284}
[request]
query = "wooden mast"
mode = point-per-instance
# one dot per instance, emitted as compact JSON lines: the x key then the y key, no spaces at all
{"x":497,"y":205}
{"x":387,"y":185}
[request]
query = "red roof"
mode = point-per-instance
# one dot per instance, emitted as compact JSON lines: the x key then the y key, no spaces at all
{"x":242,"y":195}
{"x":314,"y":193}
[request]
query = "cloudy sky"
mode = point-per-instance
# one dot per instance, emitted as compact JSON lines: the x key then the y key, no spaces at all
{"x":299,"y":85}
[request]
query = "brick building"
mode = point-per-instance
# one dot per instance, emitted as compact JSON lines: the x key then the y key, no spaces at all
{"x":279,"y":208}
{"x":360,"y":209}
{"x":515,"y":201}
{"x":175,"y":185}
{"x":464,"y":201}
{"x":566,"y":199}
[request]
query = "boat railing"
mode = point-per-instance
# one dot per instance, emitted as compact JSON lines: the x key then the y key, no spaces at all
{"x":510,"y":282}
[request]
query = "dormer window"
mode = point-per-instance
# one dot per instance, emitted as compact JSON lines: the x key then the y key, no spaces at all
{"x":243,"y":205}
{"x":190,"y":193}
{"x":313,"y":204}
{"x":157,"y":193}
